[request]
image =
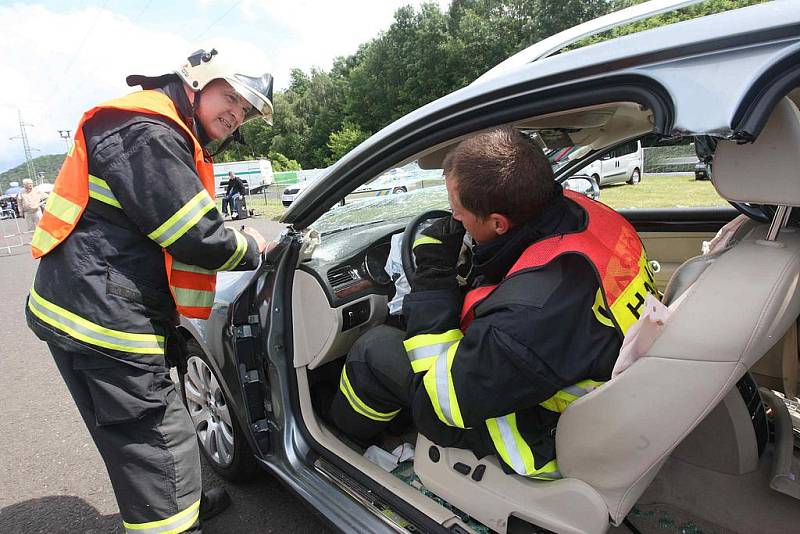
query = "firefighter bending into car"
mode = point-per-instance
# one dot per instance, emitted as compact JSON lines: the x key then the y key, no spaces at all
{"x":556,"y":281}
{"x":129,"y":238}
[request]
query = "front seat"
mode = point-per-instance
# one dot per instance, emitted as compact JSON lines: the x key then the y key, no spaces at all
{"x":611,"y":443}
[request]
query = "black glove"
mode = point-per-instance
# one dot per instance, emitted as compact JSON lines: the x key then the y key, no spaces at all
{"x":436,"y":253}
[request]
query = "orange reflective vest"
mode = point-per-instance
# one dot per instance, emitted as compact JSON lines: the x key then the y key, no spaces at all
{"x":613,"y":248}
{"x":192,"y":288}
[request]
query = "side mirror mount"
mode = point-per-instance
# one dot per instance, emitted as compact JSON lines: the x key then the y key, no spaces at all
{"x":583,"y":185}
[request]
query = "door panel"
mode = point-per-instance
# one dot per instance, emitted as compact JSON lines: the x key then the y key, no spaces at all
{"x":673,"y":235}
{"x":671,"y":249}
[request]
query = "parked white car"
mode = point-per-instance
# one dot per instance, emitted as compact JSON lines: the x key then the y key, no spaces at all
{"x":623,"y":164}
{"x":293,"y":191}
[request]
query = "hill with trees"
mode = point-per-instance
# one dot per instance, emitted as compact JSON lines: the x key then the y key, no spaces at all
{"x":49,"y":165}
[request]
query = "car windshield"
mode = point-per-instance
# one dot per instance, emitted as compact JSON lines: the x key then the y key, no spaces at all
{"x":396,"y":195}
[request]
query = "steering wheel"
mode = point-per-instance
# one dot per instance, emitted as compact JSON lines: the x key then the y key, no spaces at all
{"x":763,"y":213}
{"x":406,"y":254}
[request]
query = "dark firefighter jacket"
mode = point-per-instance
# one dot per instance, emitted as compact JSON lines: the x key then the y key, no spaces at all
{"x":108,"y":277}
{"x":235,"y":185}
{"x":545,"y":336}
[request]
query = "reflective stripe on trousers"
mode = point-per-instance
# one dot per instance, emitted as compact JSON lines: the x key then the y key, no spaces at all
{"x":514,"y":450}
{"x":359,"y":405}
{"x":171,"y":525}
{"x":563,"y":398}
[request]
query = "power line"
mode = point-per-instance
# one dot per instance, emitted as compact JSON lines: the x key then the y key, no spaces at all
{"x":80,"y":48}
{"x":201,"y":34}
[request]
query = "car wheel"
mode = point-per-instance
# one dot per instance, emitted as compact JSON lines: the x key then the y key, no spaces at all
{"x":636,"y":177}
{"x":399,"y":190}
{"x":596,"y":178}
{"x":219,"y":435}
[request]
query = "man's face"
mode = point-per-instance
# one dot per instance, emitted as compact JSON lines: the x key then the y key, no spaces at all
{"x":222,"y":110}
{"x":28,"y":187}
{"x":480,"y":229}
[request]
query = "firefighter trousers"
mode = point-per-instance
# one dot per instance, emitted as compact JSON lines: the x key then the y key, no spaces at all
{"x":145,"y":437}
{"x":377,"y":385}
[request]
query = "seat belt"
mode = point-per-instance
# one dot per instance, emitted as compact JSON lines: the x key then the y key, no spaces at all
{"x":789,"y":361}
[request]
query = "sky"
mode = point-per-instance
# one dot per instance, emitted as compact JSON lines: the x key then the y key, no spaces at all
{"x":60,"y":58}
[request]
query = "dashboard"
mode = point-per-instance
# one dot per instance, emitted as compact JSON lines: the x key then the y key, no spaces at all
{"x":341,"y":291}
{"x":351,"y":264}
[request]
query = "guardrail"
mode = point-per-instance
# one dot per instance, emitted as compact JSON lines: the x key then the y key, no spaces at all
{"x":12,"y":234}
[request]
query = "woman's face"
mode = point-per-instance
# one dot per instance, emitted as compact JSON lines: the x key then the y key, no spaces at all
{"x":222,"y":110}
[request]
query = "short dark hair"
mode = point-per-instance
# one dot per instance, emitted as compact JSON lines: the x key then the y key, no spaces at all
{"x":501,"y":171}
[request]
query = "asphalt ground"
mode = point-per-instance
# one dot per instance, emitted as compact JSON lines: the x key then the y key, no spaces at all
{"x":52,"y":479}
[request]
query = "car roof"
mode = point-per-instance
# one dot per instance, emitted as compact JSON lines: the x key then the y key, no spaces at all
{"x":673,"y":60}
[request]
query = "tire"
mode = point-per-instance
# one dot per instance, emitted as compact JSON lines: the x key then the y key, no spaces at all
{"x":596,"y":179}
{"x":219,"y":436}
{"x":636,"y":177}
{"x":399,"y":190}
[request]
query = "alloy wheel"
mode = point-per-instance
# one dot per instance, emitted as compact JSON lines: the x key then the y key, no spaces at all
{"x":209,"y":411}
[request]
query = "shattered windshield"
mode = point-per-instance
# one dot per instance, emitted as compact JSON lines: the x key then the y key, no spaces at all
{"x":398,"y":194}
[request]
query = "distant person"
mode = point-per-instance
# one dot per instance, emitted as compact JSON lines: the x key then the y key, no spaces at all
{"x":233,"y":193}
{"x":130,"y":238}
{"x":29,"y":204}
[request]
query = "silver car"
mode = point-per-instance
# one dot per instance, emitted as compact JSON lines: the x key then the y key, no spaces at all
{"x":682,"y":435}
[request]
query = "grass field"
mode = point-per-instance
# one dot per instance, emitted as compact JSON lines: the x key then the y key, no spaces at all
{"x":269,"y":209}
{"x":662,"y":191}
{"x":654,"y":191}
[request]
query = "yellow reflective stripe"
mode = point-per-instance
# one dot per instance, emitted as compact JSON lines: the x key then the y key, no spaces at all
{"x":514,"y":450}
{"x":99,"y":190}
{"x":238,"y":254}
{"x":360,"y":406}
{"x":89,"y":332}
{"x":185,"y":218}
{"x":600,"y":311}
{"x":43,"y":240}
{"x":423,"y":349}
{"x":626,"y":309}
{"x":64,"y":209}
{"x":425,"y":240}
{"x":171,"y":525}
{"x":193,"y":297}
{"x":178,"y":266}
{"x":439,"y":384}
{"x":563,"y":398}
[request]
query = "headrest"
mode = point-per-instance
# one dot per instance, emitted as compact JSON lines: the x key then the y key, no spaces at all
{"x":766,"y":171}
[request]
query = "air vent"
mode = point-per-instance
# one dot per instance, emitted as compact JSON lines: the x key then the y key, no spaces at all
{"x":341,"y":276}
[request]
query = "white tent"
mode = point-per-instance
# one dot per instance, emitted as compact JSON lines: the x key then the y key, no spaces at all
{"x":44,"y":188}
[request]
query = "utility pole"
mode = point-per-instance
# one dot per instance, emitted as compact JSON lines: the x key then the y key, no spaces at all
{"x":26,"y":146}
{"x":65,"y":136}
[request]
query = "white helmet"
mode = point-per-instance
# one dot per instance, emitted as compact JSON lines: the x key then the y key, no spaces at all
{"x":202,"y":67}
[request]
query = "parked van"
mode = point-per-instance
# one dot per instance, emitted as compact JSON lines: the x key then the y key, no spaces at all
{"x":623,"y":164}
{"x":256,"y":174}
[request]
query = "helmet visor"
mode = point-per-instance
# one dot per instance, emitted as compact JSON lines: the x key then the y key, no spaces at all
{"x":257,"y":91}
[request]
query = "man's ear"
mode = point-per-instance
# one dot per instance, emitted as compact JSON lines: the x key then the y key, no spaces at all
{"x":500,"y":223}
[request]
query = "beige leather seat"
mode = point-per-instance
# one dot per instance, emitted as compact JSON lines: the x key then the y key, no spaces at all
{"x":612,"y":442}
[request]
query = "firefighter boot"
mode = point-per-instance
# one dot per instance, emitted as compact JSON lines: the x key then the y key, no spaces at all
{"x":213,"y":502}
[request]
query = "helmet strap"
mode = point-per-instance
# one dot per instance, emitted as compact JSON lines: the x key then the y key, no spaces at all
{"x":235,"y":136}
{"x":196,"y":125}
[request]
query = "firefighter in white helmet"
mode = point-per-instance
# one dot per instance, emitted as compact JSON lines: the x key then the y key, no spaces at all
{"x":129,"y":239}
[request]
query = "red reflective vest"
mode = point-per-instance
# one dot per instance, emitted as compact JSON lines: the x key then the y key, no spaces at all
{"x":71,"y":194}
{"x":611,"y":245}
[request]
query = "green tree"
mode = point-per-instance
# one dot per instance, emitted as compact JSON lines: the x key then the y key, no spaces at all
{"x":343,"y":141}
{"x":282,"y":163}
